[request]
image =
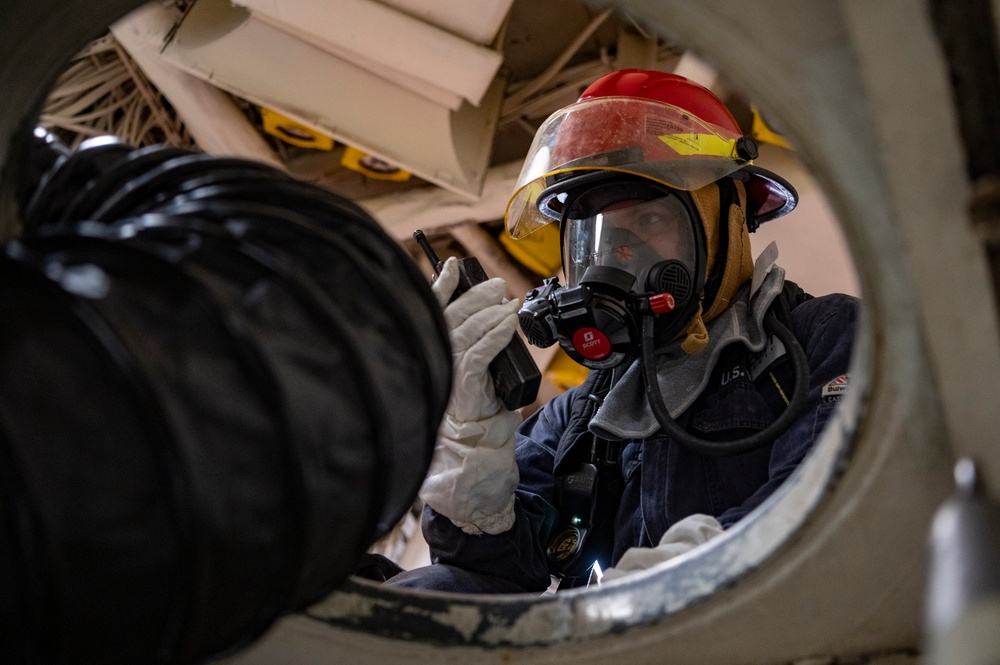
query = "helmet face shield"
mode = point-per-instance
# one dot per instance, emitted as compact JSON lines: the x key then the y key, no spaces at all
{"x":627,"y":229}
{"x":642,"y":137}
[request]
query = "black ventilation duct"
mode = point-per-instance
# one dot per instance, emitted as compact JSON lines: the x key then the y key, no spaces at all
{"x":220,"y":386}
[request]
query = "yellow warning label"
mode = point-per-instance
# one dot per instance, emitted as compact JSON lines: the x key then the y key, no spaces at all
{"x":371,"y":166}
{"x":700,"y":144}
{"x":292,"y":132}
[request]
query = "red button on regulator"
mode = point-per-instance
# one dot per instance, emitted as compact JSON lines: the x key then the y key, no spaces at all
{"x":662,"y":303}
{"x":591,"y":343}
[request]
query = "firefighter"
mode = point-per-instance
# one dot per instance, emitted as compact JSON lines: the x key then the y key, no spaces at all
{"x":710,"y":378}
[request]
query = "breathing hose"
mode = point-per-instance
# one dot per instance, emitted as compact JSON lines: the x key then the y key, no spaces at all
{"x":795,"y":408}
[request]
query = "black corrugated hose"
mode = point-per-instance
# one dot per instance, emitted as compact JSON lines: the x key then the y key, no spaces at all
{"x":220,"y":386}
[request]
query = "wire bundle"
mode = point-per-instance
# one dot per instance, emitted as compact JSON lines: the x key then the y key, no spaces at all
{"x":221,"y":385}
{"x":103,"y":92}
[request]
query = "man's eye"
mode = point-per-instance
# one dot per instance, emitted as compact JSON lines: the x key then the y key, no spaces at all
{"x":650,"y":219}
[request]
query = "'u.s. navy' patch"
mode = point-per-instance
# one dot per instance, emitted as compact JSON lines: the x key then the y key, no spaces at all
{"x":833,"y":391}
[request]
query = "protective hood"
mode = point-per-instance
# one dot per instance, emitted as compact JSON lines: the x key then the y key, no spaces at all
{"x":733,"y":250}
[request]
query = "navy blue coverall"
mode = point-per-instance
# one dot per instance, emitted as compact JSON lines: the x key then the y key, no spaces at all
{"x":663,"y":481}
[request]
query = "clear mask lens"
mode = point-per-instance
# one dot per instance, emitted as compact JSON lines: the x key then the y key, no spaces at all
{"x":631,"y":235}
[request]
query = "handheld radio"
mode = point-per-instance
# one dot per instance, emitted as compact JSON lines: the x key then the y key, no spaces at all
{"x":515,"y":375}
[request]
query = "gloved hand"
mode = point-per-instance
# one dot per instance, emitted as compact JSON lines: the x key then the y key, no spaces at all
{"x":682,"y":537}
{"x":473,"y":474}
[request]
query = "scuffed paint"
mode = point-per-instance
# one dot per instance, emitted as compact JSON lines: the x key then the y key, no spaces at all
{"x":542,"y":622}
{"x":358,"y":608}
{"x":614,"y":609}
{"x":463,"y":619}
{"x":355,"y":606}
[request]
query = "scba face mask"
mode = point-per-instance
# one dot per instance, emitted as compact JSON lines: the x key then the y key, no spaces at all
{"x":630,"y":249}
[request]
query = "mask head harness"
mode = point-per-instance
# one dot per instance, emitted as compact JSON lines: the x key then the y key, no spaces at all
{"x":631,"y":248}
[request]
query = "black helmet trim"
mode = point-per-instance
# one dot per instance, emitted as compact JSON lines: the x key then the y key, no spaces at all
{"x":769,"y":196}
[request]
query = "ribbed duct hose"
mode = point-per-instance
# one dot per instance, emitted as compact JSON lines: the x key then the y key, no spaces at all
{"x":220,"y":386}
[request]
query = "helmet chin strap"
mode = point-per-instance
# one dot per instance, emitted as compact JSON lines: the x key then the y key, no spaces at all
{"x":795,"y":408}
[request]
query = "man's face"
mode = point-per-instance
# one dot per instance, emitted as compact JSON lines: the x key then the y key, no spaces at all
{"x":631,"y":235}
{"x":661,"y":225}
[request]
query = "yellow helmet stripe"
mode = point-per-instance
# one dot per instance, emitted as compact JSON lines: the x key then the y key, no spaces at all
{"x":700,"y":144}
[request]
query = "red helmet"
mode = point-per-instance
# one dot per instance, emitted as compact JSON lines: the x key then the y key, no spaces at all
{"x":651,"y":124}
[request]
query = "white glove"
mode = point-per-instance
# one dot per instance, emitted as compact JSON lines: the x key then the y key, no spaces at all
{"x":473,"y":475}
{"x":682,"y":537}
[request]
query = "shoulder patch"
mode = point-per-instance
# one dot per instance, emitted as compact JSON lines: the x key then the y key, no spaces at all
{"x":834,"y":390}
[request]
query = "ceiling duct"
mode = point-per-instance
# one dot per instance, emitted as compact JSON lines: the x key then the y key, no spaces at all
{"x":415,"y":55}
{"x":352,"y":94}
{"x":478,"y":22}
